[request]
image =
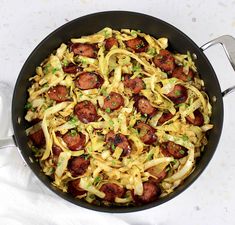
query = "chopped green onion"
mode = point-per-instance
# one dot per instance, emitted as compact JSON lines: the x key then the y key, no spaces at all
{"x":65,"y":62}
{"x":150,"y":156}
{"x":73,"y":133}
{"x":182,"y":151}
{"x":73,"y":120}
{"x":87,"y":156}
{"x":111,"y":123}
{"x":177,"y":92}
{"x":97,"y":180}
{"x":136,"y":68}
{"x":113,"y":146}
{"x":54,"y":70}
{"x":28,"y":105}
{"x":185,"y":137}
{"x":108,"y":110}
{"x":151,"y":51}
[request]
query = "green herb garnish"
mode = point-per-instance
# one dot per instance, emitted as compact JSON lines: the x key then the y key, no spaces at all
{"x":150,"y":156}
{"x":136,"y":68}
{"x":181,"y":151}
{"x":151,"y":51}
{"x":54,"y":70}
{"x":28,"y":105}
{"x":73,"y":133}
{"x":185,"y":137}
{"x":113,"y":147}
{"x":97,"y":180}
{"x":111,"y":123}
{"x":108,"y":110}
{"x":83,"y":61}
{"x":65,"y":62}
{"x":177,"y":93}
{"x":73,"y":120}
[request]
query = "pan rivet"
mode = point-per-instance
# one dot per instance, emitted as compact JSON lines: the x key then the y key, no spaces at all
{"x":213,"y":99}
{"x":194,"y":56}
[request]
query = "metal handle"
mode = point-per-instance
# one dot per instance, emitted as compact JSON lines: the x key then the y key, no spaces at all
{"x":7,"y":142}
{"x":228,"y":43}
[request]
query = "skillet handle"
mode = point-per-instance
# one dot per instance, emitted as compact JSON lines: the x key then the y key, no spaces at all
{"x":228,"y":43}
{"x":7,"y":142}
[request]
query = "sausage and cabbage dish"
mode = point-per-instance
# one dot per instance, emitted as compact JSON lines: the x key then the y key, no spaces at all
{"x":116,"y":118}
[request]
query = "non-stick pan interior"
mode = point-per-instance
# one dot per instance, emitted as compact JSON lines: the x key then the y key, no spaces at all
{"x":179,"y":42}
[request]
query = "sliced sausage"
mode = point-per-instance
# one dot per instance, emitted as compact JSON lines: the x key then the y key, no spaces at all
{"x":151,"y":193}
{"x":165,"y":117}
{"x":143,"y":106}
{"x":56,"y":150}
{"x":72,"y":68}
{"x":136,"y":84}
{"x":137,"y":44}
{"x":165,"y":61}
{"x":58,"y":93}
{"x":74,"y":140}
{"x":78,"y":166}
{"x":178,"y":72}
{"x":178,"y":95}
{"x":175,"y":150}
{"x":86,"y":112}
{"x":198,"y":118}
{"x":110,"y":42}
{"x":163,"y":149}
{"x":87,"y":50}
{"x":119,"y":140}
{"x":74,"y":188}
{"x":89,"y":80}
{"x":113,"y":101}
{"x":112,"y":191}
{"x":158,"y":177}
{"x":38,"y":138}
{"x":146,"y":133}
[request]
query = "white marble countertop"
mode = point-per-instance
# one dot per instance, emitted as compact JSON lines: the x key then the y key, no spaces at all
{"x":211,"y":199}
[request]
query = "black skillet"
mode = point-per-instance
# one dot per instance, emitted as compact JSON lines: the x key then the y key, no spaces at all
{"x":89,"y":24}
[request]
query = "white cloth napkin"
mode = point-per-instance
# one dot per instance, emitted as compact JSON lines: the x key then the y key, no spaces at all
{"x":25,"y":201}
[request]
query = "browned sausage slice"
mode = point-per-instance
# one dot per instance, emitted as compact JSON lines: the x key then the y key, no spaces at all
{"x":163,"y":148}
{"x":178,"y":72}
{"x":136,"y":84}
{"x":178,"y":95}
{"x":72,"y":68}
{"x":74,"y":188}
{"x":198,"y":118}
{"x":137,"y":44}
{"x":78,"y":166}
{"x":74,"y":140}
{"x":165,"y":117}
{"x":144,"y":107}
{"x":119,"y":140}
{"x":58,"y":93}
{"x":89,"y":80}
{"x":113,"y":101}
{"x":56,"y":150}
{"x":146,"y":133}
{"x":177,"y":151}
{"x":38,"y":138}
{"x":86,"y":112}
{"x":87,"y":50}
{"x":110,"y":42}
{"x":112,"y":191}
{"x":165,"y":61}
{"x":159,"y":176}
{"x":151,"y":193}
